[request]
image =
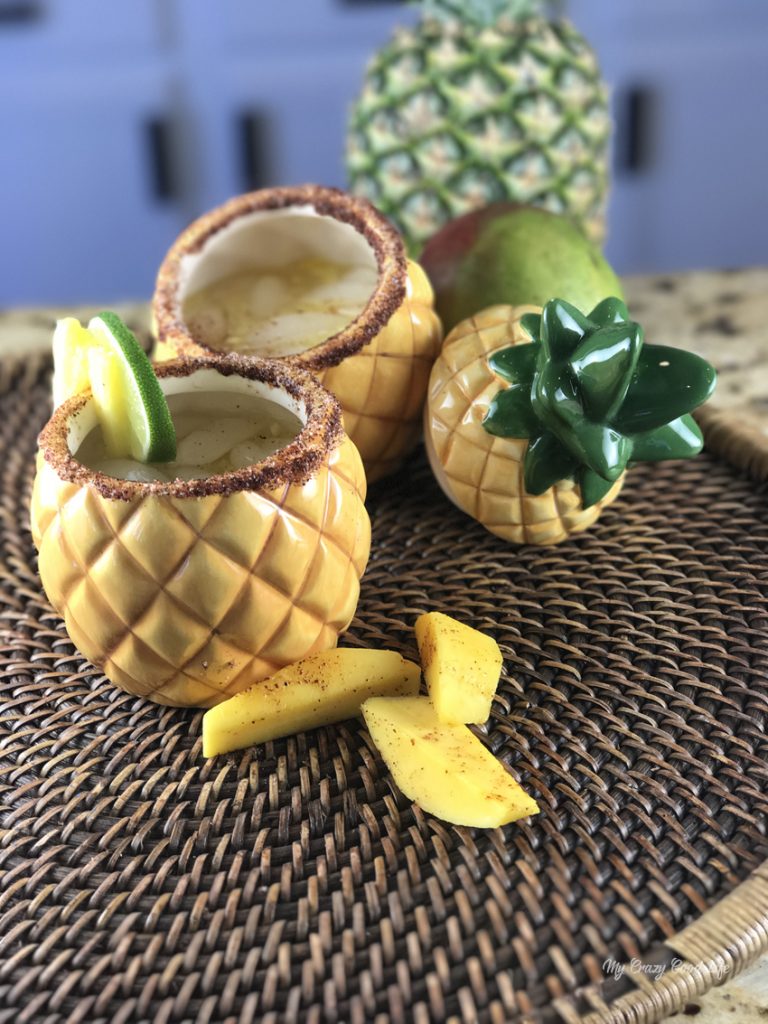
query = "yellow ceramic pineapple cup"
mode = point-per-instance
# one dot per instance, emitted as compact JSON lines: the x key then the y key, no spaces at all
{"x":186,"y":591}
{"x":482,"y":474}
{"x":534,"y":415}
{"x":320,"y":280}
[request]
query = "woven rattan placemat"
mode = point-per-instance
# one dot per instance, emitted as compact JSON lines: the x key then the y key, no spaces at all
{"x":293,"y":882}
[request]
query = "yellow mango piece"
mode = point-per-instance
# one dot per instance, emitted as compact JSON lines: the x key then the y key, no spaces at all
{"x":323,"y":688}
{"x":461,"y":667}
{"x":445,"y":769}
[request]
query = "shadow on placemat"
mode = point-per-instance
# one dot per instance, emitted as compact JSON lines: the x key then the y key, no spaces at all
{"x":294,"y":882}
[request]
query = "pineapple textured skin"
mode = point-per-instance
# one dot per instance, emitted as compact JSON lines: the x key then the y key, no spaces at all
{"x":453,"y":117}
{"x":187,"y":601}
{"x":483,"y":474}
{"x":382,"y":387}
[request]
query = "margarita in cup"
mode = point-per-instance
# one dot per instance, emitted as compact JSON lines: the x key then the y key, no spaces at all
{"x":279,"y":310}
{"x":319,"y":279}
{"x":239,"y":551}
{"x":215,"y":433}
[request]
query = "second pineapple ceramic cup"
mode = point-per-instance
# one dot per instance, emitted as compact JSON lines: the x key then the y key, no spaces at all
{"x":534,"y":415}
{"x":188,"y":591}
{"x":376,"y":361}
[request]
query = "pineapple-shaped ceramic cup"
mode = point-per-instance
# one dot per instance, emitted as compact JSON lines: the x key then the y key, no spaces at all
{"x":185,"y":591}
{"x":320,"y":280}
{"x":533,"y":416}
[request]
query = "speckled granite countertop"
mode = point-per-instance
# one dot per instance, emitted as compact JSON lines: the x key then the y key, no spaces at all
{"x":722,"y":316}
{"x":29,"y":330}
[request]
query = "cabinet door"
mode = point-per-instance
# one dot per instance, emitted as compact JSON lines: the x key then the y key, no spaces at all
{"x":295,"y":24}
{"x":274,"y":120}
{"x":690,"y":94}
{"x":698,"y":195}
{"x":87,"y":201}
{"x":87,"y":32}
{"x":617,"y":27}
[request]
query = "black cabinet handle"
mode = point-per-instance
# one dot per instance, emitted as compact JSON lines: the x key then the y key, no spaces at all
{"x":253,"y":138}
{"x":160,"y":159}
{"x":634,"y":130}
{"x":19,"y":13}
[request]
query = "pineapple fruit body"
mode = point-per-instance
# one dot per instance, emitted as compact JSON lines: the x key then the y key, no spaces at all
{"x":483,"y":474}
{"x":454,"y":115}
{"x":185,"y":599}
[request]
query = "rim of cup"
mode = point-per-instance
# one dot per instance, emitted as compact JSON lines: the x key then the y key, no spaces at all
{"x":290,"y":386}
{"x":383,"y":240}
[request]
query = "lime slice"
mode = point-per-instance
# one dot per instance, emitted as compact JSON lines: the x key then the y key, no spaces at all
{"x":71,"y":342}
{"x":131,"y":406}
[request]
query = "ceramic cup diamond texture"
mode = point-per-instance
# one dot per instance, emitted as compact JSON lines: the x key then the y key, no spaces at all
{"x":382,"y":387}
{"x":188,"y":600}
{"x":480,"y":473}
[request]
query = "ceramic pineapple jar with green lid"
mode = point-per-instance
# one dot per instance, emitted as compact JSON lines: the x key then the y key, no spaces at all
{"x":533,"y":416}
{"x":483,"y":100}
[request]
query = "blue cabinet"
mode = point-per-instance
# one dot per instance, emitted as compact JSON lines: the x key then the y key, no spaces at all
{"x":689,"y":80}
{"x":296,"y":25}
{"x":35,"y":34}
{"x":272,"y":120}
{"x":268,"y":87}
{"x":120,"y":123}
{"x":698,"y":197}
{"x":87,"y":207}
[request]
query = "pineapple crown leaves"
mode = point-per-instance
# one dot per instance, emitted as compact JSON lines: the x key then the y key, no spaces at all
{"x":483,"y":12}
{"x":593,"y":398}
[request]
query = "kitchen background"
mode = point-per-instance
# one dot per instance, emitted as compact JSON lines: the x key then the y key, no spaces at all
{"x":121,"y":122}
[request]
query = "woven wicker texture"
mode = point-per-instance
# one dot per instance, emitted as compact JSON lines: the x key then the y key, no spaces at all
{"x":293,"y":883}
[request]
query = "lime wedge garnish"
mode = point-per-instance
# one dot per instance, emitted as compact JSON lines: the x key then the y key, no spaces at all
{"x":71,"y":342}
{"x":131,"y":406}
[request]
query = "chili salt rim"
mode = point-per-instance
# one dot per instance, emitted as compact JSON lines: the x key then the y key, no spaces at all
{"x":386,"y":243}
{"x":294,"y":464}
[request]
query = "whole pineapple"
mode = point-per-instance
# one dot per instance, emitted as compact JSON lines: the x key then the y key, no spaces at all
{"x":483,"y":100}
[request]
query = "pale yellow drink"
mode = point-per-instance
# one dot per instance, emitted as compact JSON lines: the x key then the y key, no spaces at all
{"x":216,"y":432}
{"x":371,"y":339}
{"x":278,"y":311}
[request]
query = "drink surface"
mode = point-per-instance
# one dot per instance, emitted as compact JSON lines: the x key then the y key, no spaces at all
{"x":216,"y":432}
{"x":279,"y":311}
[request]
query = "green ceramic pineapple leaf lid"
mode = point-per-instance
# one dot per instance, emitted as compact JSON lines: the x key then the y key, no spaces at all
{"x":593,"y":398}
